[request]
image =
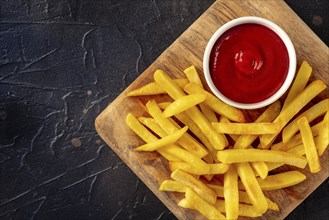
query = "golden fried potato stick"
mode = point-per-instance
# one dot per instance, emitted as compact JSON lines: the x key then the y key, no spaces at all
{"x":268,"y":115}
{"x":147,"y":136}
{"x":304,"y":97}
{"x":186,"y":141}
{"x":183,"y":103}
{"x":297,"y":150}
{"x":299,"y":83}
{"x":297,"y":139}
{"x":193,"y":76}
{"x":163,"y":105}
{"x":153,"y":126}
{"x":169,"y":139}
{"x":170,"y":152}
{"x":215,"y":168}
{"x":195,"y":201}
{"x":208,"y":113}
{"x":185,"y":119}
{"x":261,"y":168}
{"x":252,"y":155}
{"x":244,"y":141}
{"x":312,"y":113}
{"x":323,"y":138}
{"x":209,"y":159}
{"x":154,"y":88}
{"x":244,"y":209}
{"x":231,"y":193}
{"x":195,"y":184}
{"x":172,"y":186}
{"x":247,"y":128}
{"x":223,"y":119}
{"x":281,"y":180}
{"x":218,"y":189}
{"x":300,"y":150}
{"x":217,"y":140}
{"x":187,"y":157}
{"x":308,"y":142}
{"x":249,"y":181}
{"x":215,"y":104}
{"x":243,"y":196}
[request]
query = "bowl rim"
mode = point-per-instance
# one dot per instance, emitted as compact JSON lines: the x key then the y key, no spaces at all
{"x":287,"y":42}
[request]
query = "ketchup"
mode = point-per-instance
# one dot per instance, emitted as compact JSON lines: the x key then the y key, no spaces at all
{"x":249,"y":63}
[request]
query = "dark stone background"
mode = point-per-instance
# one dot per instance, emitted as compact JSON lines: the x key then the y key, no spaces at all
{"x":61,"y":63}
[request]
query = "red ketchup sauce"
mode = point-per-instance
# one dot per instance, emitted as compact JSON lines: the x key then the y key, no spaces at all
{"x":249,"y":63}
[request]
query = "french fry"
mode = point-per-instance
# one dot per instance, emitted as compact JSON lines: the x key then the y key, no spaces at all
{"x":186,"y":120}
{"x":281,"y":180}
{"x":195,"y":184}
{"x":217,"y":140}
{"x":187,"y":157}
{"x":153,"y":126}
{"x":195,"y":201}
{"x":231,"y":193}
{"x":247,"y":128}
{"x":297,"y":150}
{"x":183,"y":103}
{"x":299,"y":83}
{"x":154,"y":88}
{"x":193,"y":76}
{"x":186,"y":141}
{"x":164,"y":105}
{"x":168,"y":84}
{"x":182,"y":117}
{"x":268,"y":115}
{"x":323,"y":138}
{"x":308,"y":142}
{"x":209,"y":160}
{"x":216,"y":168}
{"x":245,"y":141}
{"x":234,"y":137}
{"x":261,"y":168}
{"x":272,"y":205}
{"x":146,"y":135}
{"x":252,"y":155}
{"x":243,"y":196}
{"x":304,"y":97}
{"x":218,"y":189}
{"x":172,"y":186}
{"x":215,"y":104}
{"x":171,"y":152}
{"x":300,"y":150}
{"x":243,"y":209}
{"x":170,"y":139}
{"x":208,"y":113}
{"x":311,"y":114}
{"x":297,"y":139}
{"x":255,"y":193}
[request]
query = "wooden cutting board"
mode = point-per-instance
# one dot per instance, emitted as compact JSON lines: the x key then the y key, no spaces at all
{"x":188,"y":49}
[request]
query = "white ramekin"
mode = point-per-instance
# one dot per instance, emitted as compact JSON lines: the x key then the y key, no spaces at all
{"x":284,"y":37}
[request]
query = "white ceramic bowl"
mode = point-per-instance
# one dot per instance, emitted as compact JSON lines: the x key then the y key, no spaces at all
{"x":291,"y":54}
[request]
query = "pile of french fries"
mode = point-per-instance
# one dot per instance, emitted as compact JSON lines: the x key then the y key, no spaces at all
{"x":206,"y":140}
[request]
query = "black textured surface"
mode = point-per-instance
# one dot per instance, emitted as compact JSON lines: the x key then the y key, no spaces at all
{"x":61,"y":63}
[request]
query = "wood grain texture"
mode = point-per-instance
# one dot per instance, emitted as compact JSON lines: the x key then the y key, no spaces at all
{"x":187,"y":50}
